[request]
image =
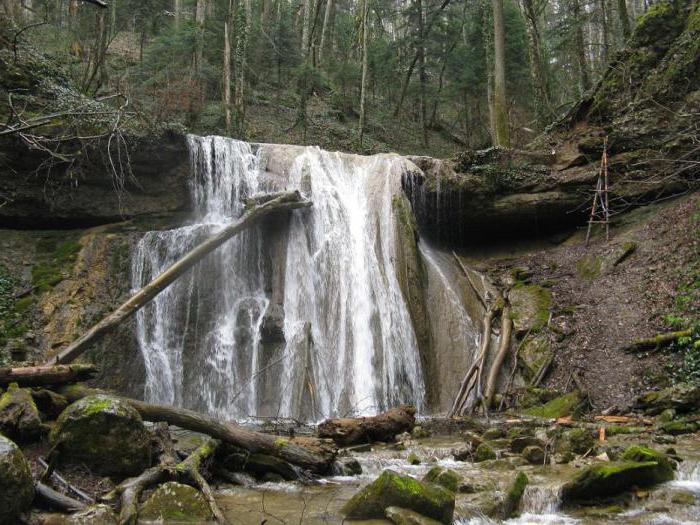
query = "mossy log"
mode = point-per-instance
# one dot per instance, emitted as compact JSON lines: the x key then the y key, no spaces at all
{"x":47,"y":375}
{"x":658,"y":341}
{"x":252,"y":216}
{"x":382,"y":427}
{"x":318,"y":461}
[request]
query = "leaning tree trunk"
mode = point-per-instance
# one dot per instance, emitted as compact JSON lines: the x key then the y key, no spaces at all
{"x":382,"y":427}
{"x":251,"y":217}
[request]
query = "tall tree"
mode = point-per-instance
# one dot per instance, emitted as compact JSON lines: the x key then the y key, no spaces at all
{"x":501,"y":133}
{"x":363,"y":90}
{"x":579,"y":44}
{"x":532,"y":10}
{"x":624,"y":18}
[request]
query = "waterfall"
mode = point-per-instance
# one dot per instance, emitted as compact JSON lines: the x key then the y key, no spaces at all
{"x":348,"y":345}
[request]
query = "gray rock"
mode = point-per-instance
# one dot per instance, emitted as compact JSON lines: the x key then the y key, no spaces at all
{"x":16,"y":485}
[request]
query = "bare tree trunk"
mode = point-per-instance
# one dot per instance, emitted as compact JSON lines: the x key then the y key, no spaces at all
{"x":501,"y":132}
{"x":382,"y":427}
{"x":503,"y":347}
{"x":363,"y":89}
{"x":624,"y":18}
{"x":47,"y":375}
{"x":177,"y":12}
{"x":227,"y":72}
{"x":421,"y":72}
{"x":580,"y":45}
{"x":324,"y":30}
{"x":285,"y":201}
{"x":200,"y":17}
{"x":605,"y":32}
{"x":537,"y":64}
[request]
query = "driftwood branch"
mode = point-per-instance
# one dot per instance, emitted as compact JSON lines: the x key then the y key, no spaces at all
{"x":503,"y":347}
{"x":47,"y":375}
{"x":251,"y":217}
{"x":468,"y":275}
{"x":55,"y":499}
{"x":254,"y":442}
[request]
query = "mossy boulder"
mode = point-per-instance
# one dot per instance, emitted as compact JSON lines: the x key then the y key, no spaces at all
{"x":566,"y":405}
{"x":19,"y":416}
{"x":176,"y":502}
{"x":682,"y":397}
{"x":413,"y":459}
{"x":605,"y":480}
{"x":531,"y":396}
{"x":493,"y":433}
{"x":483,"y":453}
{"x":518,"y":444}
{"x":16,"y":484}
{"x":391,"y":489}
{"x":576,"y":441}
{"x":444,"y":477}
{"x":643,"y":454}
{"x":676,"y":428}
{"x":104,"y":433}
{"x":514,"y":496}
{"x":401,"y":516}
{"x":535,"y":353}
{"x":533,"y":455}
{"x":530,"y":305}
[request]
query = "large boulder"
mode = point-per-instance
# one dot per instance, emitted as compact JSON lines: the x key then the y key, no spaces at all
{"x":104,"y":433}
{"x":19,"y":416}
{"x":566,"y":405}
{"x":391,"y":489}
{"x":176,"y":502}
{"x":682,"y":397}
{"x":16,"y":485}
{"x":613,"y":478}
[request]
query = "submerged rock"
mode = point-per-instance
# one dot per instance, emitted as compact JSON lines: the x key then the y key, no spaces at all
{"x":348,"y":466}
{"x":176,"y":502}
{"x":19,"y":416}
{"x":105,"y":433}
{"x":391,"y":489}
{"x":401,"y":516}
{"x":445,"y":477}
{"x":413,"y":459}
{"x":641,"y":467}
{"x":16,"y":485}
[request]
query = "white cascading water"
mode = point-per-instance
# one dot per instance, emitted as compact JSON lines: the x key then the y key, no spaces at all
{"x":200,"y":338}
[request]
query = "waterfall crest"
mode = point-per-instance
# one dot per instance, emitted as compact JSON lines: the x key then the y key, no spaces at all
{"x":347,"y":342}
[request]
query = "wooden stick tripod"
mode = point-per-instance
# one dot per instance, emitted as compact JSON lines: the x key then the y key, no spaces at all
{"x":600,"y":211}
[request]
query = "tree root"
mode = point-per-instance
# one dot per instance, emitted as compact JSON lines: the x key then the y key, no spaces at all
{"x":658,"y":341}
{"x":187,"y":471}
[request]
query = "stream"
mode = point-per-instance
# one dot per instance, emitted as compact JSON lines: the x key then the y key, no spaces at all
{"x":321,"y":503}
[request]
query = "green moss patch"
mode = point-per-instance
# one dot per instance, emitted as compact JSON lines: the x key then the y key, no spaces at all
{"x":56,"y":267}
{"x":561,"y":406}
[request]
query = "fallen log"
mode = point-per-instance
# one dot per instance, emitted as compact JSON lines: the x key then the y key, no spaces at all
{"x":658,"y":341}
{"x":314,"y":461}
{"x":252,"y":216}
{"x":47,"y":375}
{"x":382,"y":427}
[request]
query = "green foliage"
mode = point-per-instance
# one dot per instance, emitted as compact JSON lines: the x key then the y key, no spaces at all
{"x":55,"y":268}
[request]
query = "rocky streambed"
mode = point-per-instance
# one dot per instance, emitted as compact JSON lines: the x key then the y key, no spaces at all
{"x":95,"y":460}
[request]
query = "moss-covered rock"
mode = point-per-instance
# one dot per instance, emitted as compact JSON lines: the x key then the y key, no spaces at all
{"x":19,"y":416}
{"x":494,"y":433}
{"x":576,"y":441}
{"x":676,"y":428}
{"x":565,"y":405}
{"x":518,"y":444}
{"x":530,"y":305}
{"x":533,"y":455}
{"x":445,"y":477}
{"x":401,"y":516}
{"x":105,"y":433}
{"x":682,"y":397}
{"x":643,"y":454}
{"x":391,"y":489}
{"x":483,"y":453}
{"x":176,"y":502}
{"x":413,"y":459}
{"x":16,"y":485}
{"x":609,"y":479}
{"x":514,"y":496}
{"x":420,"y":432}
